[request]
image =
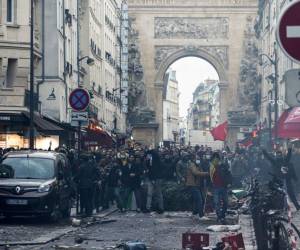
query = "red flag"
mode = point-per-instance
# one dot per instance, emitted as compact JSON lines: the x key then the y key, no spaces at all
{"x":220,"y":132}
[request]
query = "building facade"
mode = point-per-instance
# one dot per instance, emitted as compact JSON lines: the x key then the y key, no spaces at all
{"x":171,"y":109}
{"x":76,"y":44}
{"x":100,"y":24}
{"x":204,"y":112}
{"x":59,"y":73}
{"x":15,"y":19}
{"x":267,"y":21}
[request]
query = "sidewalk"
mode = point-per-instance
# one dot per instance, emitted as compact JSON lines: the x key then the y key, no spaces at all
{"x":248,"y":232}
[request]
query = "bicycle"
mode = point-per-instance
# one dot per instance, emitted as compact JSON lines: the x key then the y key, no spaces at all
{"x":273,"y":231}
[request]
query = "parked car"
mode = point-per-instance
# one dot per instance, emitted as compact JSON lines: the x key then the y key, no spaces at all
{"x":35,"y":183}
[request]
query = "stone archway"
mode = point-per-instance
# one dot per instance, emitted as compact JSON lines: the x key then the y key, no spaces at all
{"x":170,"y":54}
{"x":168,"y":30}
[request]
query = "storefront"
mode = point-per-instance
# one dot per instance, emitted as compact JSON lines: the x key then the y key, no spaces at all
{"x":96,"y":138}
{"x":14,"y":131}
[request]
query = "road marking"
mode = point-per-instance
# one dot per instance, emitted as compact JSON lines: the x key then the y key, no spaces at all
{"x":293,"y":31}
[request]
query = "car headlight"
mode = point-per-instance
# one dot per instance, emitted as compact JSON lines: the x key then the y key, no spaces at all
{"x":44,"y":188}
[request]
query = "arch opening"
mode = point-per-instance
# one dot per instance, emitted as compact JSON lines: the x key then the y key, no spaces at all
{"x":191,"y":99}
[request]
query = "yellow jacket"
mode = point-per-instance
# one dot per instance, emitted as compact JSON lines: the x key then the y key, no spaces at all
{"x":194,"y":175}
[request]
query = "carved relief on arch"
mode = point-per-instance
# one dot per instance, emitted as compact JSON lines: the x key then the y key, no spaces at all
{"x":220,"y":53}
{"x":191,"y":27}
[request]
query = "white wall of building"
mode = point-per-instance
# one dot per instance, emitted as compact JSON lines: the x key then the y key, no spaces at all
{"x":171,"y":109}
{"x":267,"y":29}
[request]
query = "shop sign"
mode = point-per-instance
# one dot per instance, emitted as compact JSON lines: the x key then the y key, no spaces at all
{"x":4,"y":118}
{"x":80,"y":116}
{"x":246,"y":130}
{"x":83,"y":124}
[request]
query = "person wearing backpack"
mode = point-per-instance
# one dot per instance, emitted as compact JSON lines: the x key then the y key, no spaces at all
{"x":221,"y":179}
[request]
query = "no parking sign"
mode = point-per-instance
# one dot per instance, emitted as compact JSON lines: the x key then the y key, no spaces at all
{"x":79,"y":99}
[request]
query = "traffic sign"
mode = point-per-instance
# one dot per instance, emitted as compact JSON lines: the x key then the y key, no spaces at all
{"x":79,"y":99}
{"x":288,"y":31}
{"x":83,"y":124}
{"x":292,"y":87}
{"x":79,"y":116}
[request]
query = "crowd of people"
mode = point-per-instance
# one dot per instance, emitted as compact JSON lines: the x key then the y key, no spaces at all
{"x":114,"y":176}
{"x":111,"y":176}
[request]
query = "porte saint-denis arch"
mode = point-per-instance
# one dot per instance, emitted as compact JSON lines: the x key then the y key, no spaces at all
{"x":163,"y":31}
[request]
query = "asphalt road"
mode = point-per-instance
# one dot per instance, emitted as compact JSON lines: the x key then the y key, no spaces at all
{"x":159,"y":232}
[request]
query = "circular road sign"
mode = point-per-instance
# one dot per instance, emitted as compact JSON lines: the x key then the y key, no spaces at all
{"x":288,"y":31}
{"x":79,"y":99}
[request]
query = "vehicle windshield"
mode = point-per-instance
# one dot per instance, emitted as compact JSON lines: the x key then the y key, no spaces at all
{"x":27,"y":168}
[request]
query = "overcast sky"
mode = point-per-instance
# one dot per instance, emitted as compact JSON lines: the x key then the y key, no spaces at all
{"x":190,"y":71}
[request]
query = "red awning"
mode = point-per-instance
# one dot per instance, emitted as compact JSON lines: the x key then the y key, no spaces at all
{"x":97,"y":136}
{"x":289,"y":124}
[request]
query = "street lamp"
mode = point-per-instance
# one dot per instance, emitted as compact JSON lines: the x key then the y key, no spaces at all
{"x":121,"y":90}
{"x":274,"y":79}
{"x":89,"y":61}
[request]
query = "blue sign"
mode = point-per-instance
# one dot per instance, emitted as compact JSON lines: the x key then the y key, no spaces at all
{"x":79,"y":99}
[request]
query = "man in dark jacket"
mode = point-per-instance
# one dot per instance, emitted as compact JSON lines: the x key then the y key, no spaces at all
{"x":87,"y":177}
{"x":134,"y":181}
{"x":169,"y":166}
{"x":154,"y":181}
{"x":115,"y":183}
{"x":284,"y":170}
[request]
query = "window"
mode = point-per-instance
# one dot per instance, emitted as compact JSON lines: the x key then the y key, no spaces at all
{"x":29,"y":168}
{"x":9,"y":11}
{"x":11,"y":72}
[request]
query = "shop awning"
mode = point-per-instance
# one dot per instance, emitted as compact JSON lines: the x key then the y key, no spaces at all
{"x":43,"y":125}
{"x":96,"y":136}
{"x":289,"y":124}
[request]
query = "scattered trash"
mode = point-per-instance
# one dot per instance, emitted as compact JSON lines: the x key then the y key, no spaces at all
{"x":79,"y":239}
{"x":107,"y":221}
{"x":75,"y":247}
{"x":195,"y":241}
{"x":224,"y":228}
{"x":133,"y":246}
{"x":76,"y":222}
{"x":236,"y":241}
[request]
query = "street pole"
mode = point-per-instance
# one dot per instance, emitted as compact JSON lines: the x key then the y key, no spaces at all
{"x":276,"y":91}
{"x":78,"y":45}
{"x":78,"y":153}
{"x":270,"y":116}
{"x":78,"y":76}
{"x":31,"y":108}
